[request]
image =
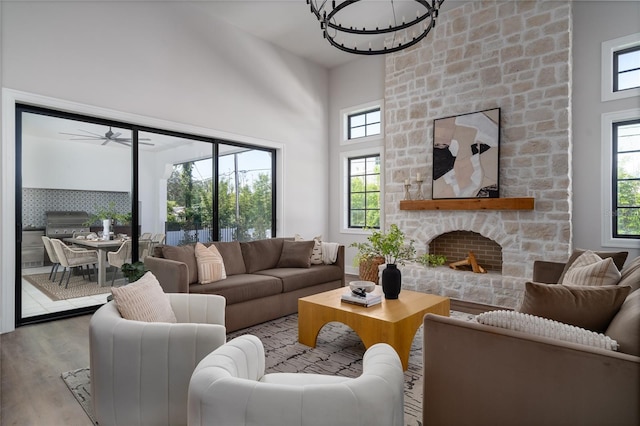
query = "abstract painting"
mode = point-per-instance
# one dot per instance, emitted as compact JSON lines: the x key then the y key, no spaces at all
{"x":466,"y":152}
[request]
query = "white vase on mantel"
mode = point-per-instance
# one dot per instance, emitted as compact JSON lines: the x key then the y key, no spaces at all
{"x":106,"y":228}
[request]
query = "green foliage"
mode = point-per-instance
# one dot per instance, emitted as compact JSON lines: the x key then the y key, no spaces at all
{"x":431,"y":260}
{"x":628,"y":219}
{"x":133,"y":271}
{"x":390,"y":245}
{"x":244,"y":207}
{"x":109,"y":212}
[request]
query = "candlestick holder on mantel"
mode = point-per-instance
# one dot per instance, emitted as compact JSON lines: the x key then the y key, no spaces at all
{"x":419,"y":194}
{"x":407,"y":193}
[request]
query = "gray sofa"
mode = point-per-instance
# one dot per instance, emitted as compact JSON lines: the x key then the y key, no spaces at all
{"x":476,"y":374}
{"x":256,"y":289}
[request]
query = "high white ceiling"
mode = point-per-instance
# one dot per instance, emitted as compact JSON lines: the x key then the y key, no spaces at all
{"x":290,"y":25}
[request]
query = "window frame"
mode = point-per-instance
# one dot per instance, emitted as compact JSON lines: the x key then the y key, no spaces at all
{"x":616,"y":178}
{"x":608,"y":120}
{"x":366,"y":124}
{"x":349,"y":193}
{"x":359,"y":109}
{"x":616,"y":70}
{"x":344,"y":200}
{"x":608,"y":50}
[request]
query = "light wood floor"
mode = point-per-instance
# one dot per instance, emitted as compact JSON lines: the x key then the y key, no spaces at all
{"x":31,"y":361}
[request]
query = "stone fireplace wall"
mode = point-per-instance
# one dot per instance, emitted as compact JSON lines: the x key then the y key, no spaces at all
{"x":482,"y":55}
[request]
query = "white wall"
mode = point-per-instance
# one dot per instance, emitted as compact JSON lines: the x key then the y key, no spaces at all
{"x":593,"y":23}
{"x":355,"y":83}
{"x":170,"y":61}
{"x":74,"y":165}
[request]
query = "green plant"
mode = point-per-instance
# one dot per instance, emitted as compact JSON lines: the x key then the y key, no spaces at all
{"x":133,"y":271}
{"x":109,"y":213}
{"x":431,"y":259}
{"x":389,"y":245}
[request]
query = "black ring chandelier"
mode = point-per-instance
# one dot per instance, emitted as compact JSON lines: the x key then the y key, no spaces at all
{"x":337,"y":32}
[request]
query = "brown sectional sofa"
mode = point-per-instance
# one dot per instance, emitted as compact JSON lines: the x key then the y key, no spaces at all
{"x":477,"y":374}
{"x":256,"y":289}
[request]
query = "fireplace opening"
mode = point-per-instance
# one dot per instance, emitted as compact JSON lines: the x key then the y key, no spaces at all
{"x":456,"y":245}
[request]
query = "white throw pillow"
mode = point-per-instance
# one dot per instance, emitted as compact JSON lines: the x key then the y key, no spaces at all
{"x":591,"y":270}
{"x":143,"y":300}
{"x":316,"y":253}
{"x":210,"y":264}
{"x":544,"y":327}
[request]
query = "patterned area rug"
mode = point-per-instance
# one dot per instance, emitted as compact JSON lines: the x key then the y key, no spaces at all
{"x":78,"y":286}
{"x":338,"y":352}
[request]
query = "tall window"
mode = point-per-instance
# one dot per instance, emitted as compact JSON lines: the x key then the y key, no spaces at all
{"x":626,"y":179}
{"x":363,"y":124}
{"x":626,"y":69}
{"x":364,"y":192}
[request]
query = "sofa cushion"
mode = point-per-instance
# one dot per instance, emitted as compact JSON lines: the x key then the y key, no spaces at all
{"x":625,"y":326}
{"x":296,"y":278}
{"x":591,"y":269}
{"x":143,"y":300}
{"x":619,"y":257}
{"x":630,"y":275}
{"x":316,"y":253}
{"x":241,"y":287}
{"x":210,"y":264}
{"x":232,"y":256}
{"x":185,"y":254}
{"x":261,"y":254}
{"x":590,"y":307}
{"x":545,"y":327}
{"x":296,"y":254}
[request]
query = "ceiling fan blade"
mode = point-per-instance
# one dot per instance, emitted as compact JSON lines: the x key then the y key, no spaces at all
{"x":91,"y":133}
{"x":146,"y":143}
{"x":82,"y":136}
{"x":106,"y":141}
{"x":115,"y":135}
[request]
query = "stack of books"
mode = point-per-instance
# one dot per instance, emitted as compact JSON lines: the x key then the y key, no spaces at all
{"x":370,"y":299}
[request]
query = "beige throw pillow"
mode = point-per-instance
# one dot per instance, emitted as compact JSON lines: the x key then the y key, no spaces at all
{"x":589,"y":269}
{"x":143,"y":300}
{"x":210,"y":264}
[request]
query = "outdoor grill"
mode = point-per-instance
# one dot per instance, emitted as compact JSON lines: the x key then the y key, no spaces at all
{"x":64,"y":224}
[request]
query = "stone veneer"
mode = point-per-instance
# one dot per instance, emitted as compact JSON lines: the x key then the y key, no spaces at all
{"x":482,"y":55}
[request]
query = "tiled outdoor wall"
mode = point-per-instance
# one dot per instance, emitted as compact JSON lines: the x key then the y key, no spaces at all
{"x":37,"y":201}
{"x":515,"y":55}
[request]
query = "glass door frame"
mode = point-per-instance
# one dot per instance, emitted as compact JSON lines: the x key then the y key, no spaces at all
{"x":21,"y":108}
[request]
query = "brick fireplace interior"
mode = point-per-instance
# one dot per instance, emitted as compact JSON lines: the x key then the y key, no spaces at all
{"x":456,"y":246}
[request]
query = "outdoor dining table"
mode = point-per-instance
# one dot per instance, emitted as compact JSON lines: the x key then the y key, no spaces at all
{"x":102,"y":246}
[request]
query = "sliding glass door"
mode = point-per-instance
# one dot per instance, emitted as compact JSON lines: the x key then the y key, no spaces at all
{"x":154,"y":187}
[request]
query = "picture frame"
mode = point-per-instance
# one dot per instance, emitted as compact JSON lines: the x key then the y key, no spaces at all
{"x":466,"y":155}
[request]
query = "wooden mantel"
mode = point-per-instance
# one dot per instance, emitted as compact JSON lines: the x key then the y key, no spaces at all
{"x":522,"y":203}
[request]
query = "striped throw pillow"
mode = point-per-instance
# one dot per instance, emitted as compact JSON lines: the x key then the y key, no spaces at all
{"x":143,"y":300}
{"x":210,"y":264}
{"x":590,"y":269}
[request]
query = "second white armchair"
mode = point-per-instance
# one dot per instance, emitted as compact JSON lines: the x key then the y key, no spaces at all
{"x":229,"y":387}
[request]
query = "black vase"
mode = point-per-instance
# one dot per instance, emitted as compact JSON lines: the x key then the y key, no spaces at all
{"x":391,"y":281}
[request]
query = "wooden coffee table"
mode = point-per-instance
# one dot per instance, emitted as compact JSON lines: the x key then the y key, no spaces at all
{"x":393,"y":321}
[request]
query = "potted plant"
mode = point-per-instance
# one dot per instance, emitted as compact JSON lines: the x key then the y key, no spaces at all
{"x":133,"y":271}
{"x":393,"y":248}
{"x":367,"y":260}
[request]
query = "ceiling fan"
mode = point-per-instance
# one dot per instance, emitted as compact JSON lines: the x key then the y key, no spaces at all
{"x":109,"y":136}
